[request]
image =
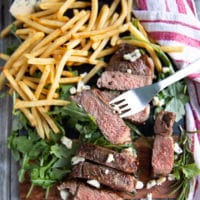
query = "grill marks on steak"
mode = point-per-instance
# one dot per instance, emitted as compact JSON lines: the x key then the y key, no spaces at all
{"x":112,"y":178}
{"x":112,"y":126}
{"x":81,"y":191}
{"x":163,"y":148}
{"x":124,"y":75}
{"x":124,"y":161}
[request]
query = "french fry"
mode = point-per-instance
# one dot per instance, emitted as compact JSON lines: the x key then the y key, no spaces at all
{"x":42,"y":111}
{"x":33,"y":86}
{"x":93,"y":71}
{"x":34,"y":24}
{"x":43,"y":81}
{"x":20,"y":51}
{"x":29,"y":116}
{"x":75,"y":79}
{"x":94,"y":12}
{"x":41,"y":61}
{"x":39,"y":126}
{"x":60,"y":67}
{"x":60,"y":41}
{"x":6,"y":30}
{"x":39,"y":103}
{"x":64,"y":8}
{"x":111,"y":33}
{"x":14,"y":84}
{"x":4,"y":56}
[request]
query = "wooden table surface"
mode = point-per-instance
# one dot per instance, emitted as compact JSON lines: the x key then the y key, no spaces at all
{"x":8,"y":168}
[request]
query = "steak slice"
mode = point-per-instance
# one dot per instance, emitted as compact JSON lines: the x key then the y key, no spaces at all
{"x":81,"y":191}
{"x":122,"y":74}
{"x":116,"y":80}
{"x":112,"y":178}
{"x":164,"y":123}
{"x":137,"y":118}
{"x":163,"y":155}
{"x":112,"y":126}
{"x":125,"y":161}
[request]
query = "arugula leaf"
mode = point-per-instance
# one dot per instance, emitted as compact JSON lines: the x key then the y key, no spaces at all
{"x":175,"y":98}
{"x":184,"y":168}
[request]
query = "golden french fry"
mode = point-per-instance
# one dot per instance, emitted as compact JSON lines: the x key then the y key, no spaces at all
{"x":60,"y":41}
{"x":43,"y":81}
{"x":94,"y":12}
{"x":19,"y":51}
{"x":60,"y":67}
{"x":98,"y":50}
{"x":4,"y":56}
{"x":121,"y":29}
{"x":39,"y":126}
{"x":39,"y":103}
{"x":35,"y":25}
{"x":6,"y":30}
{"x":75,"y":79}
{"x":29,"y":116}
{"x":64,"y":8}
{"x":32,"y":97}
{"x":41,"y":61}
{"x":14,"y":84}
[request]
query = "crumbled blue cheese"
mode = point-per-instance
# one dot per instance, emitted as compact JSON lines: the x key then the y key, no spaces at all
{"x":22,"y":7}
{"x":72,"y":90}
{"x":129,"y":71}
{"x":67,"y":142}
{"x":171,"y":177}
{"x":158,"y":102}
{"x":139,"y":185}
{"x":166,"y":69}
{"x":81,"y":86}
{"x":149,"y":196}
{"x":94,"y":183}
{"x":161,"y":180}
{"x":133,"y":56}
{"x":110,"y":158}
{"x":64,"y":194}
{"x":106,"y":171}
{"x":77,"y":159}
{"x":177,"y":148}
{"x":151,"y":184}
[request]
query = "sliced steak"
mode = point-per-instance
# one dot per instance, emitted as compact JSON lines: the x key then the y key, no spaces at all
{"x":163,"y":155}
{"x":141,"y":116}
{"x":137,"y":118}
{"x":107,"y":176}
{"x":81,"y":191}
{"x":164,"y":123}
{"x":116,"y":80}
{"x":125,"y":161}
{"x":123,"y":74}
{"x":112,"y":126}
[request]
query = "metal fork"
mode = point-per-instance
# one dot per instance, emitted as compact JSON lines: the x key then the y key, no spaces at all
{"x":135,"y":100}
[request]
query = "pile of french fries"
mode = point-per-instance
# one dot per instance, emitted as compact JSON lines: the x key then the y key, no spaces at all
{"x":54,"y":41}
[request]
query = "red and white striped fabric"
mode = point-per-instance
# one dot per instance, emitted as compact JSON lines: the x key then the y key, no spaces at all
{"x":175,"y":23}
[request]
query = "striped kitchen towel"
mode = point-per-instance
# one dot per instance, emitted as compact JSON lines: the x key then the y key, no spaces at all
{"x":175,"y":23}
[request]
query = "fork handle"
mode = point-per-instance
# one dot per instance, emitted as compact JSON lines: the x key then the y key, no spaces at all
{"x":191,"y":68}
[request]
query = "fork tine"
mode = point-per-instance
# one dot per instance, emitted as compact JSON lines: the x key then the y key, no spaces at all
{"x":126,"y":113}
{"x":119,"y":98}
